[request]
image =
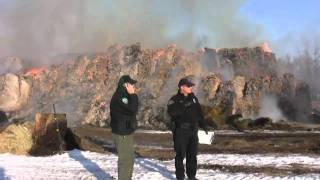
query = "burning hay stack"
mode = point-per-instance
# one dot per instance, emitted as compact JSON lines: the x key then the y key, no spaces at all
{"x":229,"y":81}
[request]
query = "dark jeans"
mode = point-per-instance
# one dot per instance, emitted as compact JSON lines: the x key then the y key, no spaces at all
{"x":185,"y":145}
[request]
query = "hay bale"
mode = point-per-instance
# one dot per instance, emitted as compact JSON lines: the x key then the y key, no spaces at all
{"x":262,"y":122}
{"x":39,"y":138}
{"x":49,"y":133}
{"x":16,"y":139}
{"x":231,"y":120}
{"x":242,"y":124}
{"x":237,"y":122}
{"x":215,"y":116}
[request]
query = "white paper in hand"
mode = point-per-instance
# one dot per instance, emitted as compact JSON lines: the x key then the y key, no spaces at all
{"x":205,"y":138}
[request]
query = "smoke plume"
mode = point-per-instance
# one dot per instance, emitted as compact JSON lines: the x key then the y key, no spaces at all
{"x":269,"y":108}
{"x":40,"y":30}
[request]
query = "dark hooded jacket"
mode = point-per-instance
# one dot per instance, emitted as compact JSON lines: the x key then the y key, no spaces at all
{"x":123,"y":110}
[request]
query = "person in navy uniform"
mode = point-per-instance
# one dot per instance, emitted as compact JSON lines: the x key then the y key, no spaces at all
{"x":186,"y":115}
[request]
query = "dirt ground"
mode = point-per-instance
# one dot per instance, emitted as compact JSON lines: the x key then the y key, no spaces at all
{"x":160,"y":145}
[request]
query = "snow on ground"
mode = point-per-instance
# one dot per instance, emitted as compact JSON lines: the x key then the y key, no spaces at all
{"x":262,"y":160}
{"x":88,"y":165}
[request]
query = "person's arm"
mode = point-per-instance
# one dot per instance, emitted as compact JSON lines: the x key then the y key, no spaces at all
{"x":202,"y":121}
{"x":129,"y":105}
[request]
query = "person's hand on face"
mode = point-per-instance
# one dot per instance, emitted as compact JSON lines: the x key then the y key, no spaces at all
{"x":130,"y":88}
{"x":103,"y":104}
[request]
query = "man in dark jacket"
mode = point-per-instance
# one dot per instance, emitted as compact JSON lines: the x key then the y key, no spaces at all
{"x":123,"y":110}
{"x":187,"y":116}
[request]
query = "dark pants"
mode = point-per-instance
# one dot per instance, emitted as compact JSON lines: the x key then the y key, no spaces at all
{"x":185,"y":145}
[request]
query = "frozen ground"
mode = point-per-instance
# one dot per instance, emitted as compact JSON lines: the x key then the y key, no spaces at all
{"x":88,"y":165}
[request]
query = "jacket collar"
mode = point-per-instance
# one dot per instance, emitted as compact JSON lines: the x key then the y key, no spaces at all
{"x":180,"y":95}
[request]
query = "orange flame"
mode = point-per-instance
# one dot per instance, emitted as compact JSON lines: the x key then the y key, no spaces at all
{"x":90,"y":76}
{"x":35,"y":71}
{"x":159,"y":53}
{"x":265,"y":47}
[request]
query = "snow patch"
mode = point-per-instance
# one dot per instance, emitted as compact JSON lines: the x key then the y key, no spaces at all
{"x":89,"y":165}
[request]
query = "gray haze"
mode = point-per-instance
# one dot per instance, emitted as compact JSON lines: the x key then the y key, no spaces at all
{"x":40,"y":30}
{"x":304,"y":63}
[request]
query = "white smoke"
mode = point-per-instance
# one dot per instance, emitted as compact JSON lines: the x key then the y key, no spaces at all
{"x":13,"y":65}
{"x":269,"y":108}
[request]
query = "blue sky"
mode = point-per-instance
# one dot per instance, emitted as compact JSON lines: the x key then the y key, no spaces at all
{"x":281,"y":17}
